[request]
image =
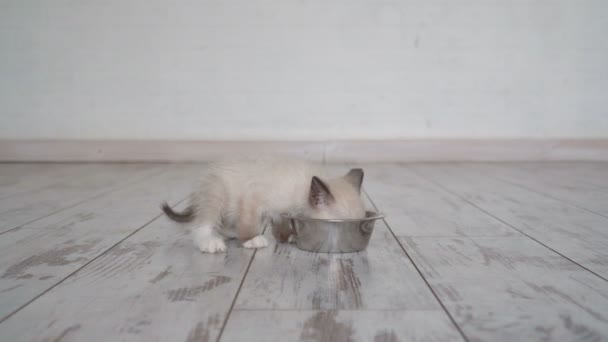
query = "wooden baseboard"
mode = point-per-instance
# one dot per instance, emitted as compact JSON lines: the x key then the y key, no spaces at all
{"x":327,"y":151}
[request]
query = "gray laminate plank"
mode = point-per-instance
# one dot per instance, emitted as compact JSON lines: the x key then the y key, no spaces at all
{"x":570,"y":186}
{"x":424,"y":209}
{"x":18,"y":179}
{"x":38,"y":256}
{"x":512,"y":289}
{"x":154,"y":286}
{"x":27,"y":207}
{"x":503,"y":288}
{"x":573,"y":232}
{"x":589,"y":173}
{"x":329,"y":326}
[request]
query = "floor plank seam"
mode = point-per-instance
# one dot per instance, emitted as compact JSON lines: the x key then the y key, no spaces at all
{"x":62,"y":179}
{"x":109,"y":191}
{"x":3,"y":319}
{"x":236,"y":295}
{"x":464,"y":337}
{"x":511,"y":226}
{"x":42,"y":188}
{"x":28,"y":192}
{"x":13,"y":229}
{"x":567,"y":202}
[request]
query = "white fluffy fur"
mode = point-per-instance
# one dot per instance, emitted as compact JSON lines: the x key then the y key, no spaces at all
{"x":238,"y":199}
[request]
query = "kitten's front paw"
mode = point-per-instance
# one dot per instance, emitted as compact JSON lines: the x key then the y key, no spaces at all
{"x":211,"y":245}
{"x":257,"y":242}
{"x":291,"y":239}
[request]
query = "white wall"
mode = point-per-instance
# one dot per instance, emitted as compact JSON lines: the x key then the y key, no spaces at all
{"x":303,"y":69}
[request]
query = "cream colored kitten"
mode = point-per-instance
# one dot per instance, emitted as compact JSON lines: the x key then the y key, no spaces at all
{"x":238,"y":199}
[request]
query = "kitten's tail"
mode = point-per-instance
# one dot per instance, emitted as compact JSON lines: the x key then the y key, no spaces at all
{"x":185,"y":216}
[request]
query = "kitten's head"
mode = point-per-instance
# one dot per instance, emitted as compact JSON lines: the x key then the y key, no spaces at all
{"x":338,"y":198}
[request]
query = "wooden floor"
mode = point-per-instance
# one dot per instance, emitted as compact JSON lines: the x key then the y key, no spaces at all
{"x":473,"y":252}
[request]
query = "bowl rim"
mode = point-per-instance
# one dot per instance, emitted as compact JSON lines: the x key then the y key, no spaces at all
{"x":376,"y":216}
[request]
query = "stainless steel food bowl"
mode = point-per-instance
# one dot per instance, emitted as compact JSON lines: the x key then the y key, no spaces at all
{"x":333,"y":236}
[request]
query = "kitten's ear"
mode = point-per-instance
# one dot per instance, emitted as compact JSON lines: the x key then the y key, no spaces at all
{"x":319,"y":193}
{"x":355,"y":177}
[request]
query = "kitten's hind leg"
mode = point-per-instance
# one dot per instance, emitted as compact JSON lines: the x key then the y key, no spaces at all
{"x":208,"y":240}
{"x":206,"y":235}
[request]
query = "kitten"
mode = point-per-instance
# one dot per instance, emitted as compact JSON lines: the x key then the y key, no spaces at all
{"x":238,"y":199}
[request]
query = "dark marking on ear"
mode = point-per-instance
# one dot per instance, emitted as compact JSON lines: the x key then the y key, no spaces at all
{"x":355,"y":177}
{"x":319,"y":193}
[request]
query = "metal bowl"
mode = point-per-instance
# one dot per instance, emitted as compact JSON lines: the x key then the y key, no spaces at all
{"x":333,"y":236}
